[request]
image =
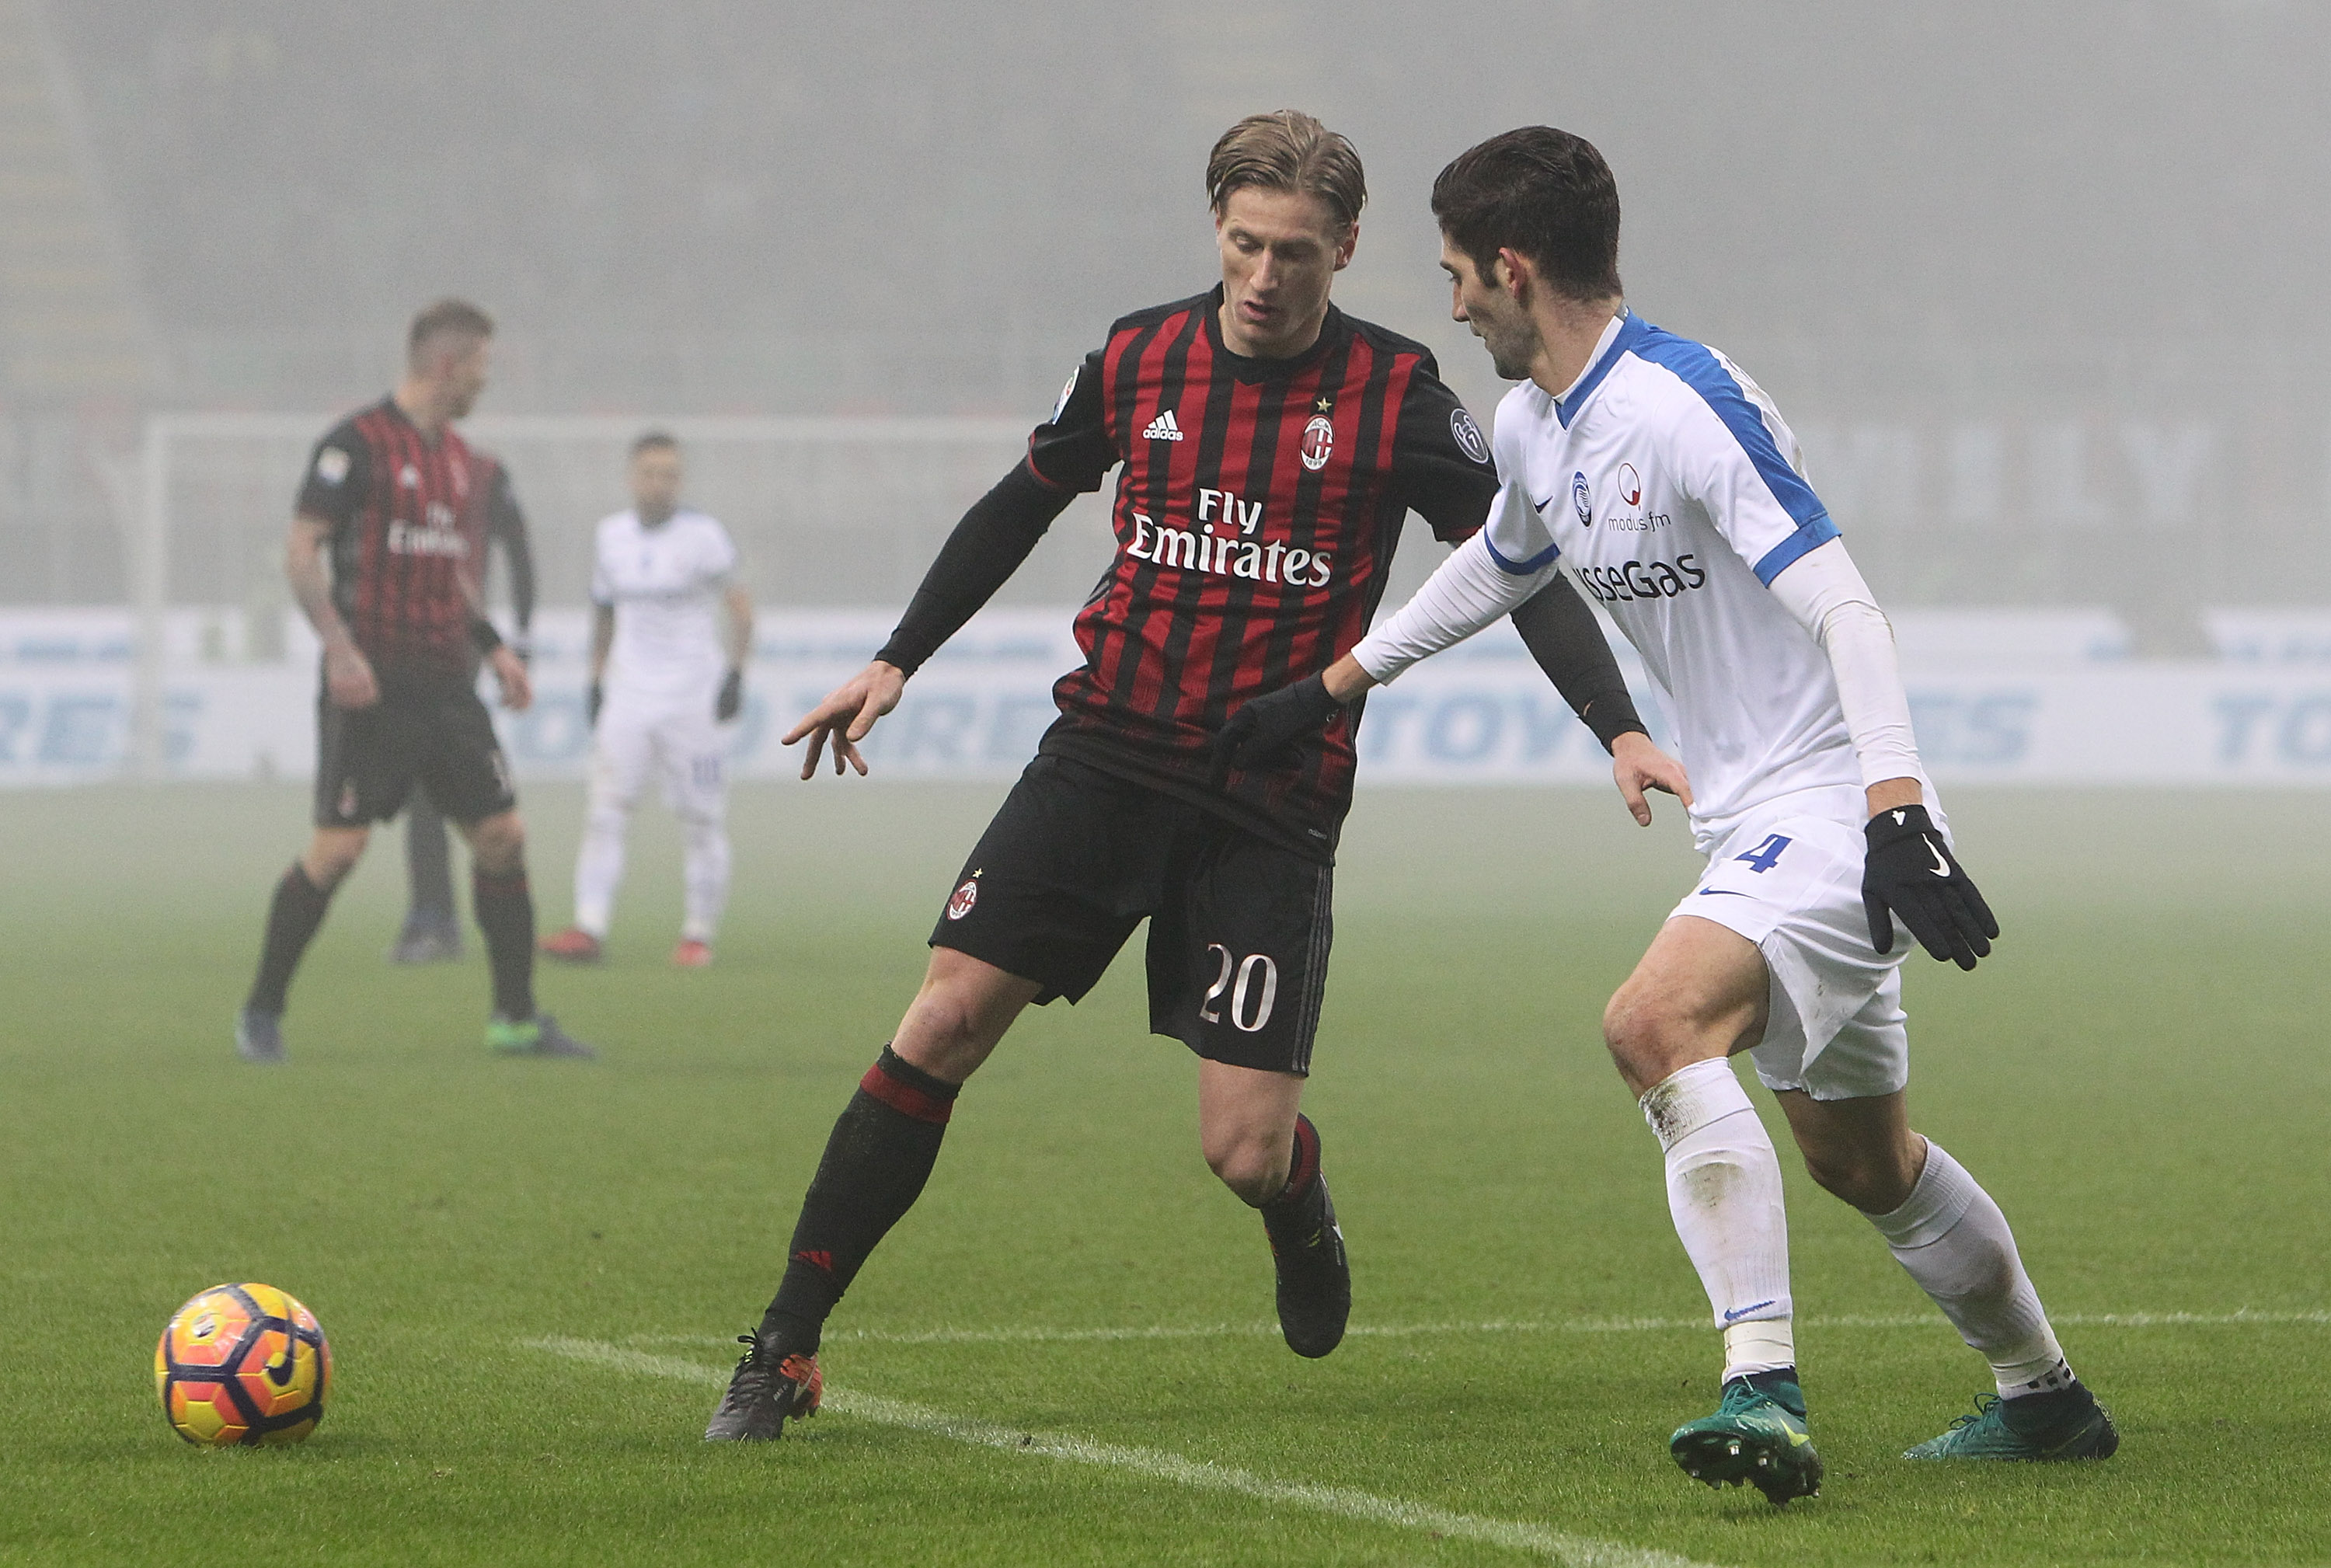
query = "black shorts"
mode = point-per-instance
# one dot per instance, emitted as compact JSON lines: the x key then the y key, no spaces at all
{"x":1239,"y":927}
{"x":438,"y":733}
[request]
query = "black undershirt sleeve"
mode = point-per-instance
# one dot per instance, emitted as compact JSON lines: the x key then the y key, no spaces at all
{"x":506,"y":523}
{"x":1563,"y":635}
{"x":985,"y":548}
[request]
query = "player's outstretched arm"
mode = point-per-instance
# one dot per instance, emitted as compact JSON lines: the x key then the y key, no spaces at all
{"x":985,"y":548}
{"x":1477,"y":585}
{"x":846,"y":716}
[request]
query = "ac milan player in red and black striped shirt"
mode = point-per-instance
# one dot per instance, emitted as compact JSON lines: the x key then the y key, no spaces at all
{"x":386,"y":557}
{"x":1271,"y":449}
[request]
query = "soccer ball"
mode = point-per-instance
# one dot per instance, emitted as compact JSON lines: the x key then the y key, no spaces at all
{"x":243,"y":1363}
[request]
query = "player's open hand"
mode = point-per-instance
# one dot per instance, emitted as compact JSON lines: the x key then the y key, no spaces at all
{"x":348,"y":676}
{"x":1909,"y":872}
{"x":845,"y":717}
{"x":1269,"y":724}
{"x":1637,"y":765}
{"x":509,"y":672}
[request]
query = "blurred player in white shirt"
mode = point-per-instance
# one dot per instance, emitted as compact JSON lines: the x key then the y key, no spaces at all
{"x":667,"y":677}
{"x":1665,"y":482}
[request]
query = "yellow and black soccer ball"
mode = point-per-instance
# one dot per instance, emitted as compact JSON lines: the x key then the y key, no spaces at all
{"x":243,"y":1363}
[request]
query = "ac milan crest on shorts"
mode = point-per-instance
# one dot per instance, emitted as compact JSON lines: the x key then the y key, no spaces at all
{"x":435,"y":731}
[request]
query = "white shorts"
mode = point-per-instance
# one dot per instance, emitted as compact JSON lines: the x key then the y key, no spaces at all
{"x":677,"y":739}
{"x":1791,"y":882}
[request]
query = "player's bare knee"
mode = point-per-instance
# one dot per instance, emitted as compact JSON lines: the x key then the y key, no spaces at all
{"x":333,"y":854}
{"x":1644,"y":1034}
{"x":1254,"y":1168}
{"x":947,"y":1031}
{"x":499,"y":842}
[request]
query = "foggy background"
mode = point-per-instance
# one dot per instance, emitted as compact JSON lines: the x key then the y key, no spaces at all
{"x":2041,"y":288}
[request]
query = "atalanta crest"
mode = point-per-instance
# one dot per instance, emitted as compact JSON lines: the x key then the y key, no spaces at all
{"x":1582,"y":499}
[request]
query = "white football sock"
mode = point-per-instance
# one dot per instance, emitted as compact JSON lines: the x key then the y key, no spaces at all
{"x":1955,"y":1243}
{"x":599,"y":865}
{"x":705,"y":869}
{"x":1724,"y":1190}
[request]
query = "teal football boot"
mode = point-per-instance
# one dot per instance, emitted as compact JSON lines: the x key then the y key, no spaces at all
{"x":2067,"y":1424}
{"x":537,"y":1036}
{"x":1757,"y":1435}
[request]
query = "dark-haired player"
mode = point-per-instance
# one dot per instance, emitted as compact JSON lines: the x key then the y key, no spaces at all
{"x":1667,"y":482}
{"x":1270,"y":447}
{"x":383,"y":558}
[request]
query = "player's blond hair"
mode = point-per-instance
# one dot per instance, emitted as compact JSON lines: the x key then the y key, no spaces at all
{"x":1288,"y":150}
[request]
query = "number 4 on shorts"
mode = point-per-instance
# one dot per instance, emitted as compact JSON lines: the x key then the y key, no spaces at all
{"x":1762,"y":857}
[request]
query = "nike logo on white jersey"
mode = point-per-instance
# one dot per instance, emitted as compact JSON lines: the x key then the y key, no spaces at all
{"x":1162,"y":428}
{"x":1942,"y":867}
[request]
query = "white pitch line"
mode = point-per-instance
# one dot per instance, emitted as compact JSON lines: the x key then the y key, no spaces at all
{"x":1156,"y":1464}
{"x":2241,"y":1317}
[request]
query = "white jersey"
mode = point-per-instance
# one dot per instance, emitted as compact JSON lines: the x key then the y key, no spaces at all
{"x":1667,"y":483}
{"x":664,"y":586}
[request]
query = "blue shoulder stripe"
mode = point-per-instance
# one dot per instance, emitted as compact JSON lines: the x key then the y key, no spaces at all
{"x":1696,"y":367}
{"x":1536,"y":563}
{"x":1631,"y":331}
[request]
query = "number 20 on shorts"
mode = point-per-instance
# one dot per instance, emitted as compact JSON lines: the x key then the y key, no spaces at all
{"x":1252,"y":982}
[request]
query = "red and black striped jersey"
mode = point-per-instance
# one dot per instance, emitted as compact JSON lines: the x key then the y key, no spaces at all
{"x":1256,"y":516}
{"x":410,"y":518}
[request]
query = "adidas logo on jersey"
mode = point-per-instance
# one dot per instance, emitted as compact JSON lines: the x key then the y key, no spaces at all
{"x":1162,"y":428}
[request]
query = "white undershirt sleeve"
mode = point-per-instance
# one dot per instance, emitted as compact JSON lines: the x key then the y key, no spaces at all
{"x":1823,"y":590}
{"x":1508,"y":558}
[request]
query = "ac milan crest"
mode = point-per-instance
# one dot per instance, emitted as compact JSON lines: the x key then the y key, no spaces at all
{"x":1318,"y":443}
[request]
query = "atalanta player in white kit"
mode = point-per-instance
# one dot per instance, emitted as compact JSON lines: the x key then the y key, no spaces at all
{"x":1666,"y":483}
{"x":667,"y":681}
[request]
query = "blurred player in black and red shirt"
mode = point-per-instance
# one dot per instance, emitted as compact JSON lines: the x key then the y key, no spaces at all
{"x":431,"y":932}
{"x":385,"y":558}
{"x":1271,"y":449}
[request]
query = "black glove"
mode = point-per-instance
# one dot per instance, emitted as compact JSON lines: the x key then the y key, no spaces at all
{"x":1909,"y":871}
{"x":731,"y":700}
{"x":591,"y":697}
{"x":1270,"y":724}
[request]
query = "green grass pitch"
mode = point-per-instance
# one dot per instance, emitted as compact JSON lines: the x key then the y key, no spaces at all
{"x":2140,"y":1075}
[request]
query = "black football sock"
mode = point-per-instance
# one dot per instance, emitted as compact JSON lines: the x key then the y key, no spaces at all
{"x":1295,"y":1214}
{"x":293,"y":916}
{"x":505,"y":909}
{"x":2033,"y":1415}
{"x":429,"y":861}
{"x":876,"y":1163}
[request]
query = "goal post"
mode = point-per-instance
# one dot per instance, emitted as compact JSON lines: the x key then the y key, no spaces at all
{"x":836,"y":512}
